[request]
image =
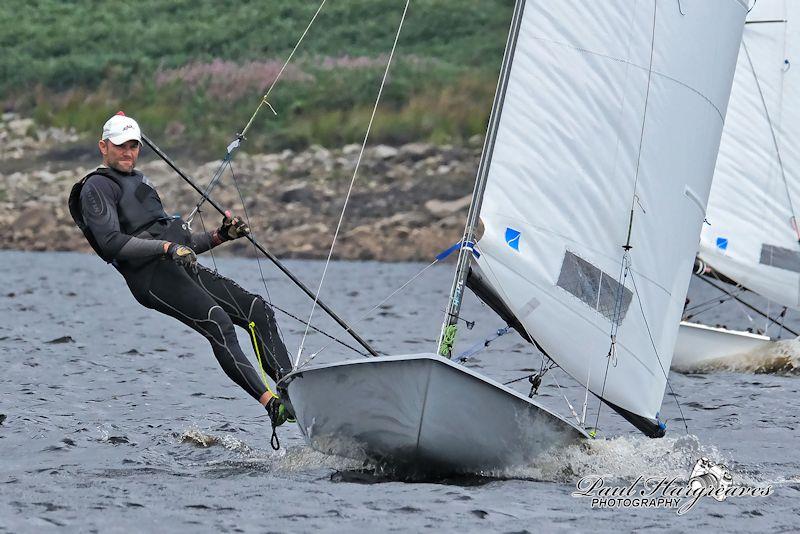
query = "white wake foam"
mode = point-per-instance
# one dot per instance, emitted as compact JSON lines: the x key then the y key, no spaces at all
{"x":779,"y":357}
{"x":620,"y":458}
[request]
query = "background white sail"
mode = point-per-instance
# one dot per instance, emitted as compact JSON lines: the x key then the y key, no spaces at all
{"x":580,"y":103}
{"x":751,"y":238}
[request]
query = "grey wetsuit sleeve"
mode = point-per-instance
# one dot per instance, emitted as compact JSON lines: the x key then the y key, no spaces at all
{"x":99,"y":197}
{"x":137,"y":248}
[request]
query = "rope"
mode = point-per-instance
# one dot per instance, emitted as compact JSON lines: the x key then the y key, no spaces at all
{"x":211,"y":249}
{"x":352,"y":181}
{"x":371,"y":310}
{"x":481,"y":345}
{"x":320,"y":331}
{"x":534,"y":344}
{"x":234,"y":145}
{"x":288,"y":59}
{"x":655,"y":350}
{"x":695,"y":310}
{"x":635,"y":198}
{"x":625,"y":264}
{"x":612,"y":349}
{"x":774,"y":140}
{"x":255,"y":249}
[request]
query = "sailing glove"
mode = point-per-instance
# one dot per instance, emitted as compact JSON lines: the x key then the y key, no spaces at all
{"x":232,"y":228}
{"x":182,"y":255}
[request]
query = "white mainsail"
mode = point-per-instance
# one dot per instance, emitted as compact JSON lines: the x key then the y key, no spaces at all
{"x":752,"y":237}
{"x":610,"y":105}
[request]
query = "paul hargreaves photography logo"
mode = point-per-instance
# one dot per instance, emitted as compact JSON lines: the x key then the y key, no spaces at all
{"x":707,"y":479}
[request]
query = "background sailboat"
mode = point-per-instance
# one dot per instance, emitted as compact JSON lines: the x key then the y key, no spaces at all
{"x":591,"y":189}
{"x":752,"y":238}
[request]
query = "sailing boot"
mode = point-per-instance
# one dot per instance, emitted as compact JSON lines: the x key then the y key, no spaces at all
{"x":278,"y":412}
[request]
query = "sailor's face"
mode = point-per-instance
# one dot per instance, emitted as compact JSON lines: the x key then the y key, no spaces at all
{"x":120,"y":157}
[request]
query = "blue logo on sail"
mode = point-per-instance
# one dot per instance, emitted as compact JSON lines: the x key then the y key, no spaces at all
{"x":722,"y":243}
{"x":512,"y":238}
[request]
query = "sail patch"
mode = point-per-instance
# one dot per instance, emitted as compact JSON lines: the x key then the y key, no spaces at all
{"x":594,"y":288}
{"x":782,"y":258}
{"x":513,"y":237}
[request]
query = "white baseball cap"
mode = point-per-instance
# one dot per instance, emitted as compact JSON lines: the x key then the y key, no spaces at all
{"x":120,"y":128}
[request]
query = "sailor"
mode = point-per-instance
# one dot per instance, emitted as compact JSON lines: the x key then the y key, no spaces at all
{"x":120,"y":214}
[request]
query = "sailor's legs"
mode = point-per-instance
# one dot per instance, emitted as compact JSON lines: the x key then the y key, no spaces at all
{"x":250,"y":312}
{"x":174,"y":292}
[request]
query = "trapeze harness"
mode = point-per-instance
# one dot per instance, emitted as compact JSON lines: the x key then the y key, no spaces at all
{"x":122,"y":217}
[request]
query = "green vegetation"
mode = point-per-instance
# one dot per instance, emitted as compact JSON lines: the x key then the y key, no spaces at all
{"x":193,"y":71}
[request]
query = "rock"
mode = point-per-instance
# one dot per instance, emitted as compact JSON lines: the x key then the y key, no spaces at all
{"x":59,"y":340}
{"x":444,"y":208}
{"x":45,"y":176}
{"x":297,"y":192}
{"x":416,"y":151}
{"x":20,"y":127}
{"x":385,"y":152}
{"x":350,"y":150}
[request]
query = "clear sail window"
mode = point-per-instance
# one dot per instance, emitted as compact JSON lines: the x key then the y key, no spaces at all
{"x":782,"y":258}
{"x":593,"y":287}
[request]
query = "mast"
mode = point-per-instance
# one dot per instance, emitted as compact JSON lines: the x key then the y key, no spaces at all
{"x":447,"y":335}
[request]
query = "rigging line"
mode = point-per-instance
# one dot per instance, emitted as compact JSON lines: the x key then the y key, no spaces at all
{"x":569,"y":404}
{"x":703,"y":307}
{"x":210,"y":248}
{"x":378,"y":305}
{"x":542,"y":370}
{"x":634,"y":200}
{"x":774,"y":139}
{"x":746,"y":304}
{"x":320,"y":331}
{"x":625,"y":264}
{"x":353,"y":179}
{"x":288,"y":59}
{"x":698,"y":312}
{"x":714,"y":300}
{"x":612,"y":349}
{"x":655,"y":350}
{"x":504,"y":296}
{"x":533,"y":343}
{"x":741,"y":308}
{"x":255,"y":249}
{"x":239,"y":137}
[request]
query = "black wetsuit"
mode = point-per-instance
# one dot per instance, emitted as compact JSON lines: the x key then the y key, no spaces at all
{"x":122,"y":217}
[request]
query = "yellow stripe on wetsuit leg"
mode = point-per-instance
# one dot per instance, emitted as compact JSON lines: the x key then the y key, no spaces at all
{"x":258,"y":357}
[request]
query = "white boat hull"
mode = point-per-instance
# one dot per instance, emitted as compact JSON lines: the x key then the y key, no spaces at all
{"x":422,"y":414}
{"x":700,"y":345}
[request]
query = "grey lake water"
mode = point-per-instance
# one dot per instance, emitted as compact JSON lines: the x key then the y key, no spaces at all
{"x":118,"y":419}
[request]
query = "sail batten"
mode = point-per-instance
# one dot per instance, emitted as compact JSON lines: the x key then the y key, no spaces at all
{"x":608,"y":105}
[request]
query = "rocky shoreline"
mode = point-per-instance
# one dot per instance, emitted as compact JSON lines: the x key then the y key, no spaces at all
{"x":408,"y":202}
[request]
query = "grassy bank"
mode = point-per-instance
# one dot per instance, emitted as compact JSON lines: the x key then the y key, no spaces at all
{"x":193,"y":71}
